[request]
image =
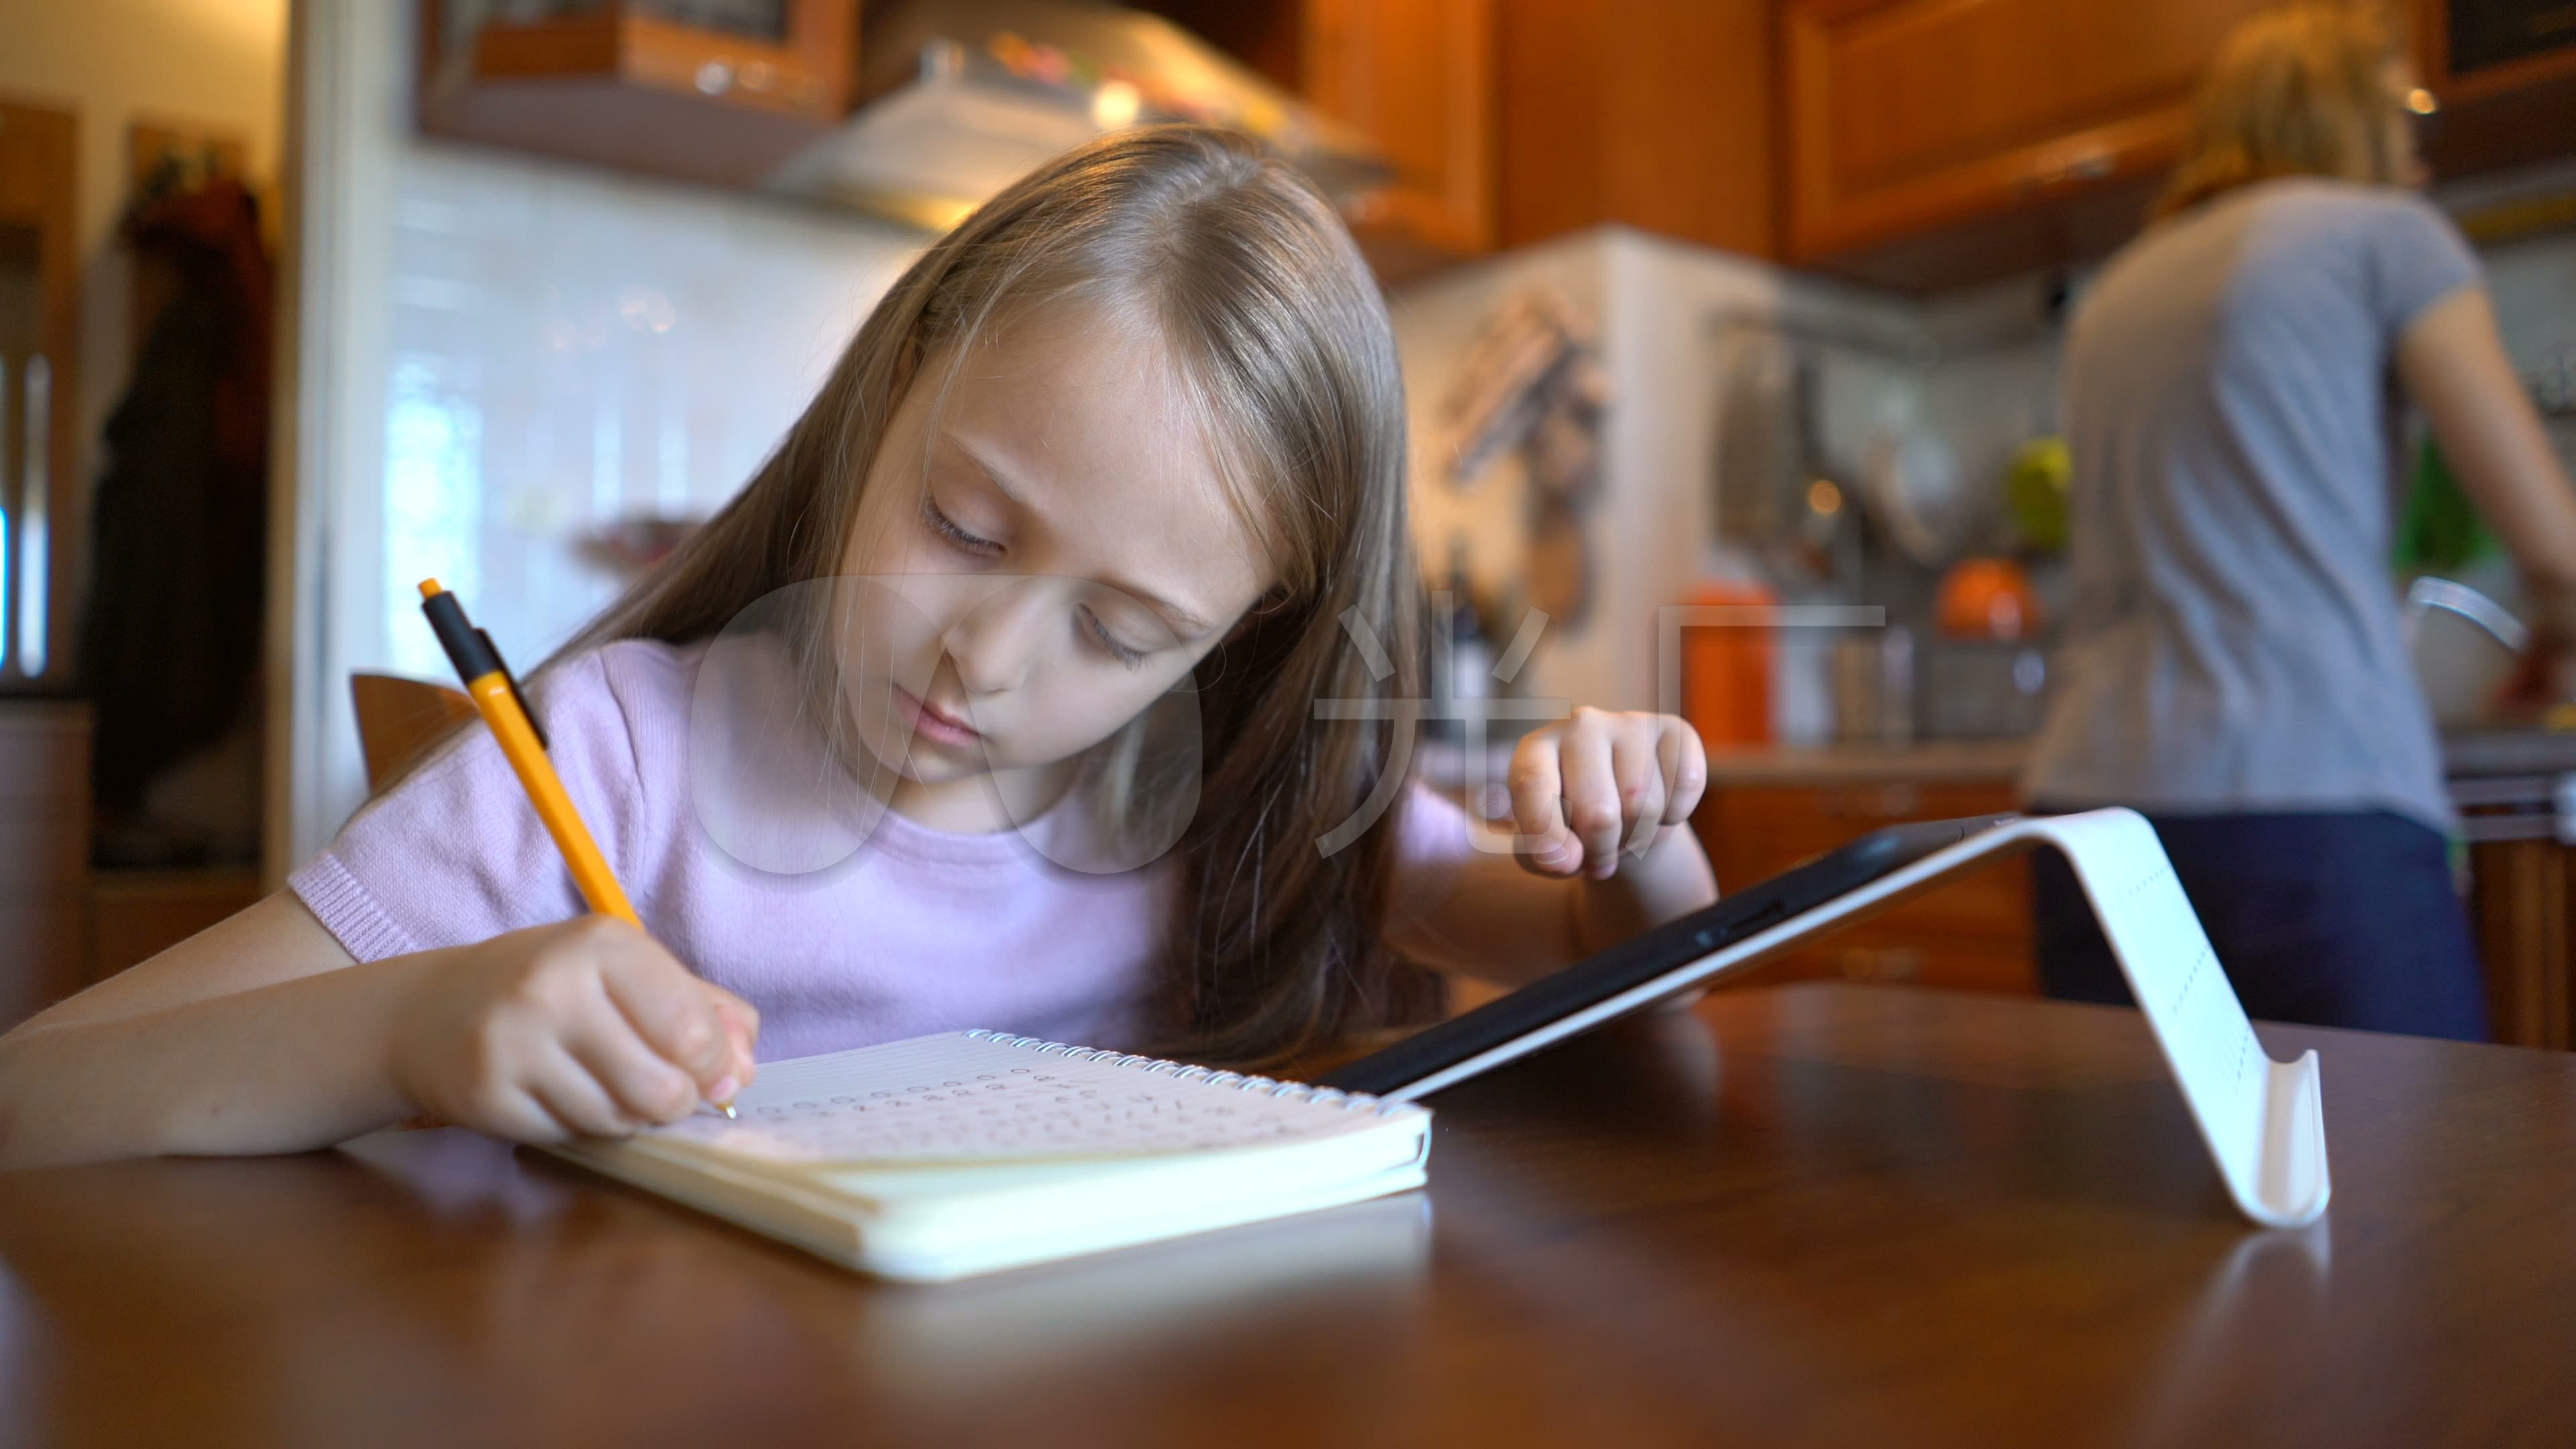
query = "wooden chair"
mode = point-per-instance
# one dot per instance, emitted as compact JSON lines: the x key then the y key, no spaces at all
{"x":398,"y":718}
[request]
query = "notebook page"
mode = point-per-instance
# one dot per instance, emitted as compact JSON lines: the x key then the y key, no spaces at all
{"x":958,"y":1099}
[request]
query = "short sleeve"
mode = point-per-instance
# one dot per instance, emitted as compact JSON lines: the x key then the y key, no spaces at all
{"x":2417,"y":259}
{"x":1434,"y":844}
{"x":1434,"y":830}
{"x":455,"y":853}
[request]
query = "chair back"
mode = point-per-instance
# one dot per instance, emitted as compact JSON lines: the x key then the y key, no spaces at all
{"x":398,"y":718}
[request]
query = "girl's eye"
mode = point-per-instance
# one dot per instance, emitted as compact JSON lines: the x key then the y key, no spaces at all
{"x":946,"y":527}
{"x":1120,"y":652}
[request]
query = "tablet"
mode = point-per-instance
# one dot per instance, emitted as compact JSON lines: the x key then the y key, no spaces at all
{"x":1591,"y":992}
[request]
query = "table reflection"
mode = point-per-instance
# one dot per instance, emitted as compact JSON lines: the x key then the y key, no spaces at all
{"x":442,"y":1265}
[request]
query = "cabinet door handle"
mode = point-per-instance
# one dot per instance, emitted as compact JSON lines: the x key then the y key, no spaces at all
{"x":2091,"y":166}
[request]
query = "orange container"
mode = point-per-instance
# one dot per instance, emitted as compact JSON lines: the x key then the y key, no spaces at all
{"x":1726,"y":671}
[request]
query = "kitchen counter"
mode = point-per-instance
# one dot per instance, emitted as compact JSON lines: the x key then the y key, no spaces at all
{"x":1927,"y":760}
{"x":1444,"y":766}
{"x":2466,"y":754}
{"x":2507,"y":751}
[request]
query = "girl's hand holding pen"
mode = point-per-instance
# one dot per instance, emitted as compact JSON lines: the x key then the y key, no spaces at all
{"x":1602,"y":781}
{"x":585,"y":1027}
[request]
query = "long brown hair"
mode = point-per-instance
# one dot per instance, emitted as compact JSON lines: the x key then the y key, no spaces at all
{"x":1274,"y":943}
{"x":2297,"y":91}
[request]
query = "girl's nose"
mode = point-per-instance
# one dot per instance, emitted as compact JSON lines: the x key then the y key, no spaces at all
{"x":995,"y":642}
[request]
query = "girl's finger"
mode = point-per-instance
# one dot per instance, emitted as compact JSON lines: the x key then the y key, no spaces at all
{"x":1637,"y":761}
{"x":1537,"y":786}
{"x":638,"y":1084}
{"x":1686,"y":766}
{"x":516,"y":1115}
{"x":742,"y":1029}
{"x":670,"y":1009}
{"x":1592,"y":795}
{"x":565,"y":1088}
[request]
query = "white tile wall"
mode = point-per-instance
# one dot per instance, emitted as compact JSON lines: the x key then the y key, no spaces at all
{"x":567,"y":349}
{"x":497,"y":353}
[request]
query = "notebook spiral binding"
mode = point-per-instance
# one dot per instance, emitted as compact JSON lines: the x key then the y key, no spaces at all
{"x":1238,"y":1081}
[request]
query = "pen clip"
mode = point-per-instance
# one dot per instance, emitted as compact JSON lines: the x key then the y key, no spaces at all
{"x":511,"y":677}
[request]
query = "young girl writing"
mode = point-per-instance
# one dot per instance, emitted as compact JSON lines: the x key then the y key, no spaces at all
{"x":1045,"y":679}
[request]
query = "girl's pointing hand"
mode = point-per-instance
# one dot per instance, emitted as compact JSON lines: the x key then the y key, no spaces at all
{"x":1586,"y":787}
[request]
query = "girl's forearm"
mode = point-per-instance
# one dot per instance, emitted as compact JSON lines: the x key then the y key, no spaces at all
{"x":1671,"y":881}
{"x":1499,"y":923}
{"x":282,"y":1068}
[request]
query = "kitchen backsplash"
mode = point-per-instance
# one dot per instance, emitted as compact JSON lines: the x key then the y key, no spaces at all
{"x":567,"y":351}
{"x":501,"y":355}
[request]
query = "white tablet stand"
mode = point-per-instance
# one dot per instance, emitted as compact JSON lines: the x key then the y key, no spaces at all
{"x":2264,"y":1120}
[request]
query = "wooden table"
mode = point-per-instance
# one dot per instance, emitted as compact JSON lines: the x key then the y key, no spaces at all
{"x":1825,"y":1214}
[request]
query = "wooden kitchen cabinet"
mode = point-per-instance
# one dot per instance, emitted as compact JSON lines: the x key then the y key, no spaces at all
{"x":1511,"y":121}
{"x":1656,"y":114}
{"x":2506,"y":78}
{"x":44,"y":853}
{"x":618,"y":84}
{"x":1930,"y":143}
{"x":1972,"y":932}
{"x":2520,"y":898}
{"x":1418,"y":78}
{"x":135,"y":915}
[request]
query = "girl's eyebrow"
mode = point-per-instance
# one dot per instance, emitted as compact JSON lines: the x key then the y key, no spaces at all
{"x":1188,"y":623}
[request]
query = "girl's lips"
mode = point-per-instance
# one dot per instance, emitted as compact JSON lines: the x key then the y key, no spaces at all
{"x":933,"y":723}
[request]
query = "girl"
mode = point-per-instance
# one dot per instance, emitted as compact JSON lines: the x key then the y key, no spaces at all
{"x":2235,"y":668}
{"x":1096,"y":530}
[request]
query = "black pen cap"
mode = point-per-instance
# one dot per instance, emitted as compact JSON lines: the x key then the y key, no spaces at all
{"x":468,"y":648}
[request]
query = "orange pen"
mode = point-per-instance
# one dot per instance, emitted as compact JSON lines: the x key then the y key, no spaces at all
{"x":496,"y":696}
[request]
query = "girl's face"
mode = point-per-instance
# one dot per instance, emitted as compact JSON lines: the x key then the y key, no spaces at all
{"x":1047,"y":548}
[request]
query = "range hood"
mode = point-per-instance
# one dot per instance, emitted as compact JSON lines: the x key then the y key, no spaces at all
{"x":959,"y":98}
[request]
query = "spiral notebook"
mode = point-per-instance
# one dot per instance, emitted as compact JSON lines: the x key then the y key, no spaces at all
{"x":945,"y":1156}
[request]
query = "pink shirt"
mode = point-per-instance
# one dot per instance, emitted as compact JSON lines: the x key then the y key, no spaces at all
{"x":893,"y":931}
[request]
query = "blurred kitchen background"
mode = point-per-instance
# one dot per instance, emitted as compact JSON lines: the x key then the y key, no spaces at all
{"x":1701,"y":302}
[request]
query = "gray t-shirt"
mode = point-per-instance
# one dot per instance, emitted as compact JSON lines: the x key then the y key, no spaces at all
{"x":2233,"y":644}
